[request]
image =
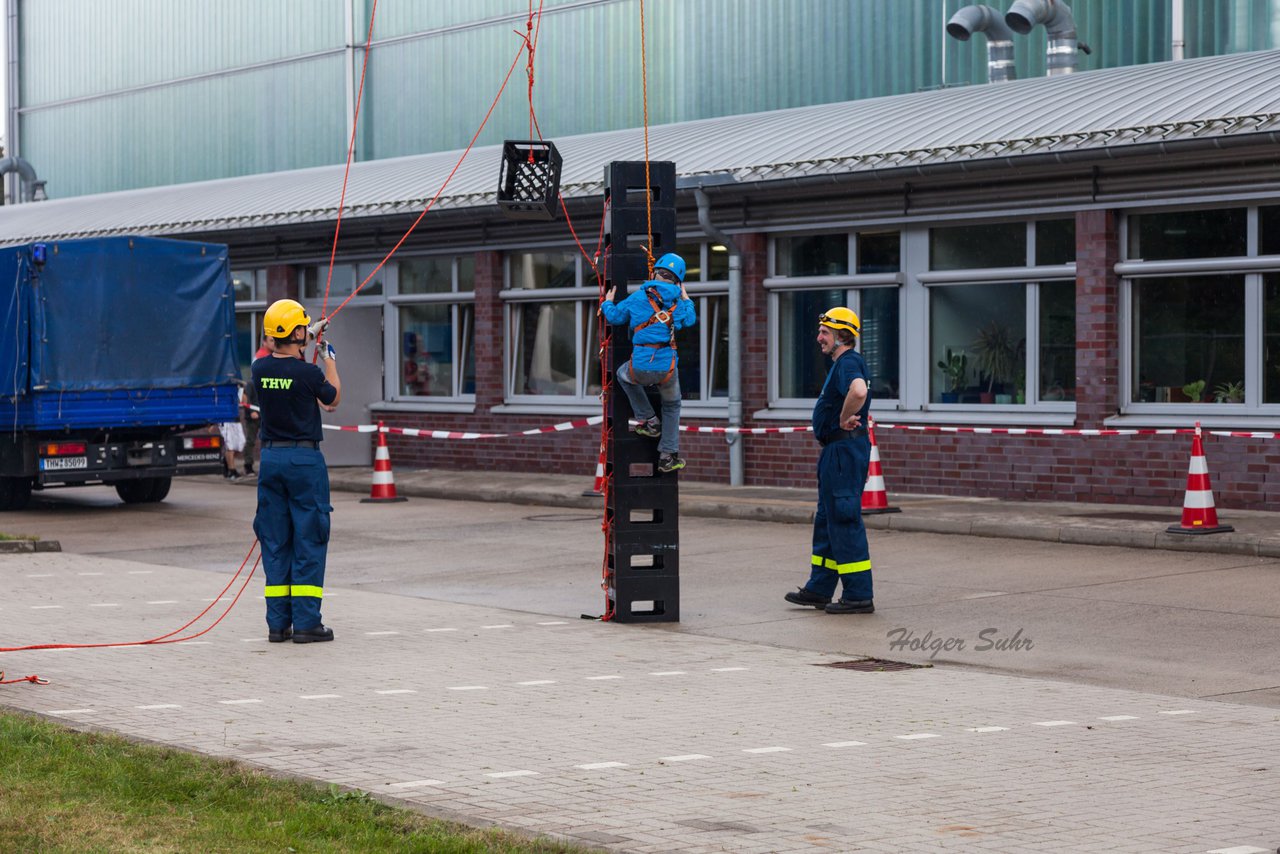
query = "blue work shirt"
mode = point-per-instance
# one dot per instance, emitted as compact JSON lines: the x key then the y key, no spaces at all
{"x":826,"y":412}
{"x":636,"y":309}
{"x":287,"y":393}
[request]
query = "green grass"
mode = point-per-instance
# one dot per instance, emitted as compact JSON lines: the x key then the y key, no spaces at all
{"x":68,"y":791}
{"x":4,"y":536}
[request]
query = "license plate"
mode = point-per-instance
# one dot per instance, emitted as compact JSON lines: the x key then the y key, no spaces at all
{"x":54,"y":463}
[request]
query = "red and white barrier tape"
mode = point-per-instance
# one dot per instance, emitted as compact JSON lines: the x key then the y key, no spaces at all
{"x":453,"y":434}
{"x":805,"y":428}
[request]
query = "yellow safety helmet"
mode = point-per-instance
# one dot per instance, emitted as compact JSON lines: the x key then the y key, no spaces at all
{"x":284,"y":316}
{"x":840,"y":318}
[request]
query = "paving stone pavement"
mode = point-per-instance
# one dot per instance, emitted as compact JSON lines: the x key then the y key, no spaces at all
{"x":635,"y":738}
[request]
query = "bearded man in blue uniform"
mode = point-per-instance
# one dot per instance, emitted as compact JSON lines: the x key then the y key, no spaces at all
{"x":840,"y":552}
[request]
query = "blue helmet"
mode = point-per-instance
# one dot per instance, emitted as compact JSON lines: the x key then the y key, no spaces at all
{"x":672,"y":262}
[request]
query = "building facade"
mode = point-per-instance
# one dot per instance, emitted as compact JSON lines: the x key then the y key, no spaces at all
{"x":175,"y":92}
{"x":1097,"y":251}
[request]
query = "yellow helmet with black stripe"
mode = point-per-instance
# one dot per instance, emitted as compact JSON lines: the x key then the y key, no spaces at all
{"x":840,"y":318}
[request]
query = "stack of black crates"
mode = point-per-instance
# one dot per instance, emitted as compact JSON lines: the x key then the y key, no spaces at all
{"x":642,"y":513}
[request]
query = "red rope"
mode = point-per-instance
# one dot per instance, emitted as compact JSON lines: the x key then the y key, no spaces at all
{"x":605,"y":334}
{"x":165,"y":638}
{"x":531,"y":45}
{"x":351,"y":147}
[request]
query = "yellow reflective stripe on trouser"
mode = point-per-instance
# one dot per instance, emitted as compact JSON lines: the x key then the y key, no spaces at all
{"x":842,"y":568}
{"x":276,"y":590}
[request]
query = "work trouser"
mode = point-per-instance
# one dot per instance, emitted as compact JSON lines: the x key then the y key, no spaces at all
{"x":840,"y":550}
{"x":633,"y":384}
{"x":292,"y":525}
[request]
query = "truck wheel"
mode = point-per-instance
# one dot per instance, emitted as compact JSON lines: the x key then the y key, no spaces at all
{"x":144,"y":490}
{"x":135,"y":491}
{"x":160,"y":488}
{"x":15,"y":492}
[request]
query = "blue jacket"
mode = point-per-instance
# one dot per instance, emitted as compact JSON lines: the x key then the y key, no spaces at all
{"x":635,"y":310}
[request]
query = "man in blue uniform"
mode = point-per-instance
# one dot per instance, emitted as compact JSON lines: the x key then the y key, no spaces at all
{"x":840,"y":551}
{"x":292,"y":522}
{"x":655,"y":312}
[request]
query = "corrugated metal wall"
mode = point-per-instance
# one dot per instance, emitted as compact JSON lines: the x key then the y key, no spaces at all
{"x":87,"y":127}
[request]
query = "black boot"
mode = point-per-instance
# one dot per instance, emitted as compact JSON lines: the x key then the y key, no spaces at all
{"x":807,"y":597}
{"x":315,"y":634}
{"x":279,"y":635}
{"x":852,"y":606}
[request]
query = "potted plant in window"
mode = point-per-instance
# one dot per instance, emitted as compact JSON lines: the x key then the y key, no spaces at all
{"x":997,"y":355}
{"x":1194,"y":391}
{"x":955,"y":370}
{"x":1229,"y":393}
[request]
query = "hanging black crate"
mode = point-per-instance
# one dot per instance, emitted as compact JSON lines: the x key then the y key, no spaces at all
{"x":529,"y":184}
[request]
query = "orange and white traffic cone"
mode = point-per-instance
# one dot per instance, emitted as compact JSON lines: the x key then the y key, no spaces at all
{"x":874,"y":497}
{"x":1199,"y":516}
{"x":598,"y":487}
{"x":384,"y":482}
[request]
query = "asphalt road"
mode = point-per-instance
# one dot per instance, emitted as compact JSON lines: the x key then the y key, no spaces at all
{"x":1182,"y":624}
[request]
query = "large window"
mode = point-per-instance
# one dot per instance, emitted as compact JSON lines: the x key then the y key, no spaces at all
{"x":979,"y":333}
{"x":801,"y":365}
{"x":811,"y":273}
{"x":1188,"y":338}
{"x":704,"y":347}
{"x":434,"y":305}
{"x":1002,"y":326}
{"x":1203,"y":308}
{"x":553,"y":351}
{"x":551,"y":306}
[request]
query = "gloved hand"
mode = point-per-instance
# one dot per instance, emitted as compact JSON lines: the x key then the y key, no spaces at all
{"x":324,"y":350}
{"x":316,"y":329}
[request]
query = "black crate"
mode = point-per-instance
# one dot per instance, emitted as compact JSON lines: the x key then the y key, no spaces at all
{"x":529,"y":182}
{"x":646,"y":599}
{"x":648,"y":555}
{"x":649,"y":507}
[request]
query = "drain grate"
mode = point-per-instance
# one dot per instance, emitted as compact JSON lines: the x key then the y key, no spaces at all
{"x":563,"y":517}
{"x":874,"y":665}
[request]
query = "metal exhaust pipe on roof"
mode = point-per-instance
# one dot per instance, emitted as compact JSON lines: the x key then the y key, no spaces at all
{"x":31,"y":189}
{"x":1059,"y":24}
{"x":984,"y":19}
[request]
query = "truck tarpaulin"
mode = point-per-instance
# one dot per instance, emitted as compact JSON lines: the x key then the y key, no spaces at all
{"x":116,"y":313}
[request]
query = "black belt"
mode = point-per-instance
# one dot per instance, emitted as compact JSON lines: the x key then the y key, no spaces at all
{"x":291,"y":443}
{"x":837,"y":435}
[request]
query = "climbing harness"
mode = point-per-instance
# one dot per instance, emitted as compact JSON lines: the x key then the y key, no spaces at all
{"x":661,"y":315}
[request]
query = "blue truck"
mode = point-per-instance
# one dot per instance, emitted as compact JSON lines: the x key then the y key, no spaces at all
{"x":114,"y":351}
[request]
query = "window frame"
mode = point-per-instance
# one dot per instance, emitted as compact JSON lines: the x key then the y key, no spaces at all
{"x":586,"y":296}
{"x":1252,"y":267}
{"x":852,"y":284}
{"x":455,"y":298}
{"x":580,"y":294}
